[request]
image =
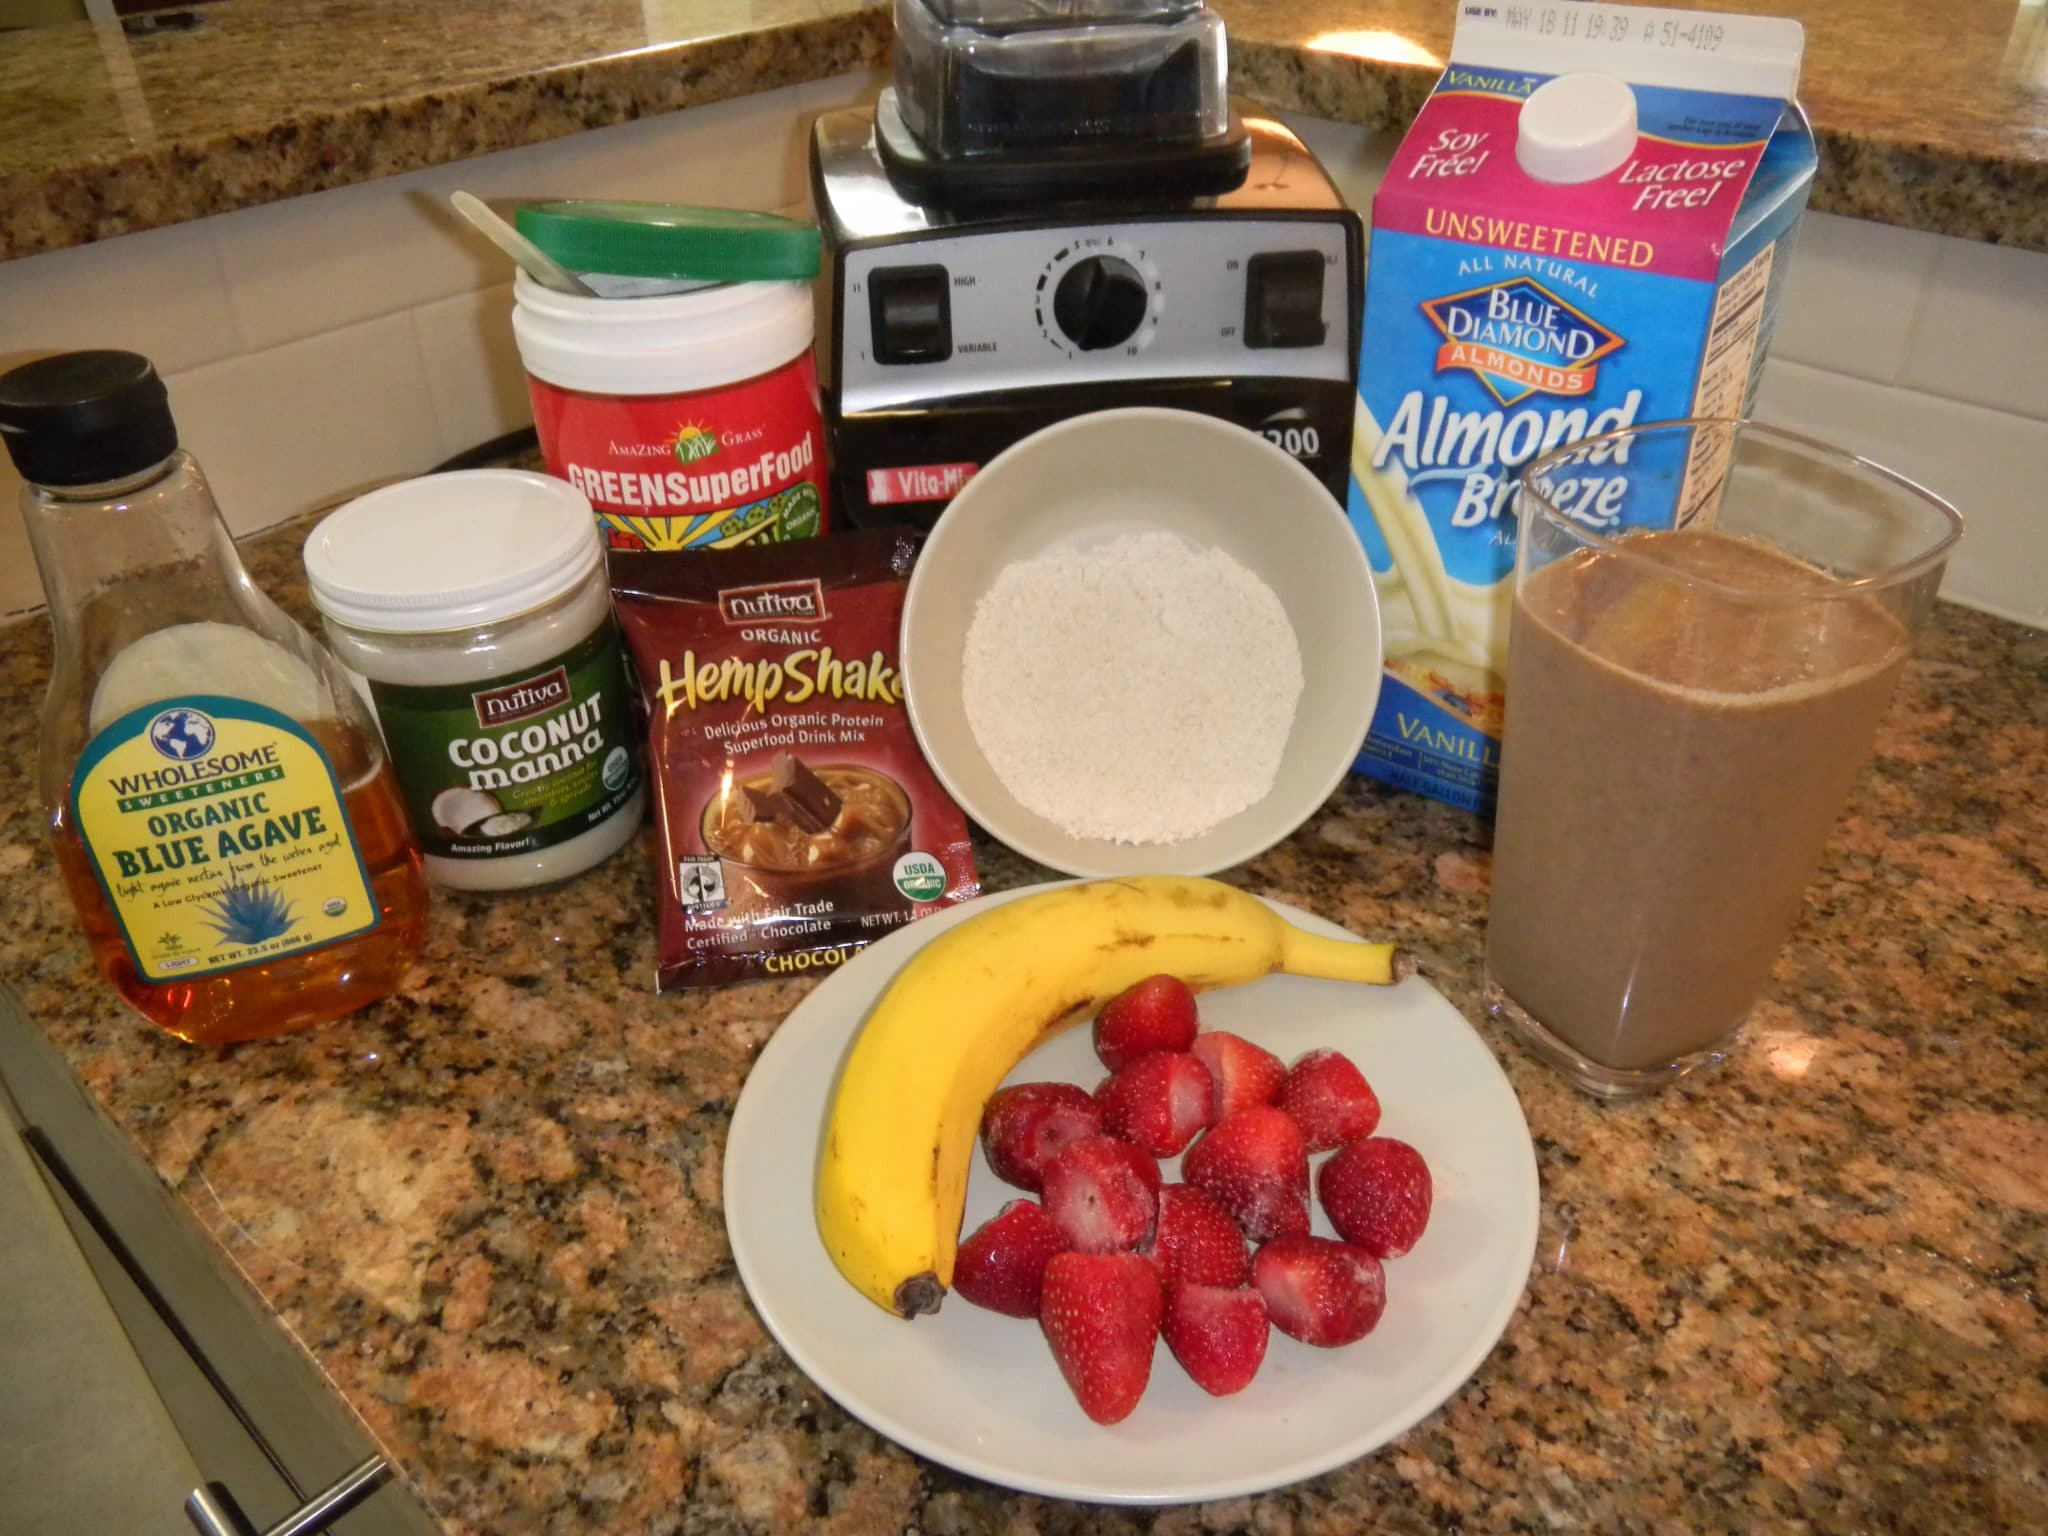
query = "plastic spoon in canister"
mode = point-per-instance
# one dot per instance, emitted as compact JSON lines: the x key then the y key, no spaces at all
{"x":533,"y":261}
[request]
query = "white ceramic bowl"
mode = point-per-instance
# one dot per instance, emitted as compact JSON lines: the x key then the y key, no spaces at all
{"x":1091,"y":479}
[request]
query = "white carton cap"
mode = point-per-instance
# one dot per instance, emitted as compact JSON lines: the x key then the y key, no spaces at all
{"x":1577,"y":128}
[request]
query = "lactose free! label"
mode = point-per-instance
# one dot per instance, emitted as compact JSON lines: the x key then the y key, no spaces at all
{"x":217,"y":830}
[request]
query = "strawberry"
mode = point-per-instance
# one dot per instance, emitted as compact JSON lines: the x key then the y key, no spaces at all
{"x":1319,"y":1291}
{"x":1157,"y":1102}
{"x":1103,"y":1195}
{"x":1377,"y":1191}
{"x":1101,"y":1315}
{"x":1330,"y":1100}
{"x":1196,"y":1242}
{"x":1240,"y":1073}
{"x":1255,"y":1166}
{"x":1217,"y":1333}
{"x":1025,"y":1127}
{"x":1158,"y":1014}
{"x":1002,"y":1266}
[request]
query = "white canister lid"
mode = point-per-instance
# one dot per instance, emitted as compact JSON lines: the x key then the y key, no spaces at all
{"x":1576,"y":128}
{"x":452,"y":551}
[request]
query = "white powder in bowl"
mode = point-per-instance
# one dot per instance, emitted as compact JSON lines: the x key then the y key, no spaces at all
{"x":1139,"y":690}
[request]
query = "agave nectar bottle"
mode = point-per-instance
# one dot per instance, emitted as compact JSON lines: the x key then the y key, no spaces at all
{"x":222,"y":810}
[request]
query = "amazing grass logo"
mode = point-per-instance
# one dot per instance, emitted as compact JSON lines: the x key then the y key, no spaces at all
{"x":693,"y":443}
{"x":1520,"y":339}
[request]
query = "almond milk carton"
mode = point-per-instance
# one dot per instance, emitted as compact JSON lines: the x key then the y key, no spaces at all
{"x":1585,"y":229}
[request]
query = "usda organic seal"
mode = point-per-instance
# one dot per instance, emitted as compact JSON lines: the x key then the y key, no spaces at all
{"x":920,"y":877}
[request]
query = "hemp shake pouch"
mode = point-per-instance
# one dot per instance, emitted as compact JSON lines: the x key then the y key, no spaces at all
{"x":797,"y":819}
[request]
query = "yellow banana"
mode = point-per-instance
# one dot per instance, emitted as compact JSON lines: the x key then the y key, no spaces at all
{"x":892,"y":1169}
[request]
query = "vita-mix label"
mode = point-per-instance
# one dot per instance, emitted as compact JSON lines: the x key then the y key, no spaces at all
{"x":219,"y":835}
{"x":740,"y":464}
{"x":520,"y":763}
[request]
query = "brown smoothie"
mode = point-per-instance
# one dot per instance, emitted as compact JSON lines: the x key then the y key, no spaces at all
{"x":1674,"y":757}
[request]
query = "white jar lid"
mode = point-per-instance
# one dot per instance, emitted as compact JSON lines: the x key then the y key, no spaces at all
{"x":451,"y":551}
{"x":1576,"y":128}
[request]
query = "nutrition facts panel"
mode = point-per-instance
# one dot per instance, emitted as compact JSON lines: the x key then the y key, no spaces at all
{"x":1686,"y":49}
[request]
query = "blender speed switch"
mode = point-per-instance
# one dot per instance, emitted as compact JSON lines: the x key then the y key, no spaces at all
{"x":910,"y":310}
{"x":1283,"y":299}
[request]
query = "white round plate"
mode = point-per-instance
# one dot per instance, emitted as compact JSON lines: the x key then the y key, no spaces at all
{"x":980,"y":1393}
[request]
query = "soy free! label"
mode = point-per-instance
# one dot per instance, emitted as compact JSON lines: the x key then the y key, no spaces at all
{"x":217,"y":830}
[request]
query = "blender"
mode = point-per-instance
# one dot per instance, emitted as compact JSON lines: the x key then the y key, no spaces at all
{"x":1054,"y":208}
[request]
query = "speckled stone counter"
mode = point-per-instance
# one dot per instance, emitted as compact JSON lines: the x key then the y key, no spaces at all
{"x":1805,"y":1295}
{"x":1933,"y":119}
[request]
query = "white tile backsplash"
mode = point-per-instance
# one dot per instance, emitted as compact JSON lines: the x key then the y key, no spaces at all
{"x":161,"y":293}
{"x":313,"y":264}
{"x":1850,"y":295}
{"x":473,"y":371}
{"x":1981,"y":333}
{"x":347,"y":337}
{"x":294,"y":427}
{"x":1992,"y":465}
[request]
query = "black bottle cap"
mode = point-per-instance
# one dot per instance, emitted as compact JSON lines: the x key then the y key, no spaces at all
{"x":81,"y":418}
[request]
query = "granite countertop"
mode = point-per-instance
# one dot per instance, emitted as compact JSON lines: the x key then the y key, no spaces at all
{"x":1804,"y":1295}
{"x":1938,"y":124}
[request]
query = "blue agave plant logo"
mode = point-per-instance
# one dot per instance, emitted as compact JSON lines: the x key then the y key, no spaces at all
{"x":249,"y":913}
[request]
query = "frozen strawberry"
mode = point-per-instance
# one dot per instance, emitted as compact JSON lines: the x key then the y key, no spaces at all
{"x":1254,"y":1165}
{"x":1319,"y":1291}
{"x":1330,"y":1100}
{"x":1217,"y":1333}
{"x":1025,"y":1127}
{"x":1158,"y":1102}
{"x":1002,"y":1265}
{"x":1103,"y":1195}
{"x":1101,"y":1315}
{"x":1158,"y":1014}
{"x":1377,"y":1191}
{"x":1196,"y":1241}
{"x":1240,"y":1073}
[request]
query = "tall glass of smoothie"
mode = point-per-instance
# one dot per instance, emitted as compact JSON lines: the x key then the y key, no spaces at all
{"x":1709,"y":617}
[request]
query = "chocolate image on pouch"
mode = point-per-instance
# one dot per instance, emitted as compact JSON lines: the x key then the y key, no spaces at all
{"x":798,"y":819}
{"x":809,"y":800}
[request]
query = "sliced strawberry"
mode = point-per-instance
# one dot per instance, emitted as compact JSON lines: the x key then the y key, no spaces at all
{"x":1159,"y":1102}
{"x":1196,"y":1241}
{"x":1254,"y":1165}
{"x":1241,"y":1074}
{"x":1025,"y":1127}
{"x":1330,"y":1100}
{"x":1103,"y":1195}
{"x":1158,"y":1014}
{"x":1217,"y":1333}
{"x":1002,"y":1266}
{"x":1101,"y":1314}
{"x":1378,"y":1193}
{"x":1318,"y":1291}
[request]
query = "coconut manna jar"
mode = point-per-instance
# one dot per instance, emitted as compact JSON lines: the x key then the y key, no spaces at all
{"x":474,"y":610}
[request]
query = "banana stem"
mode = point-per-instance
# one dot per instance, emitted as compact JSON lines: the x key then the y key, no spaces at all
{"x":1310,"y":954}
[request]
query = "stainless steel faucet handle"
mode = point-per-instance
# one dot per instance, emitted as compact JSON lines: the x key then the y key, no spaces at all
{"x":214,"y":1512}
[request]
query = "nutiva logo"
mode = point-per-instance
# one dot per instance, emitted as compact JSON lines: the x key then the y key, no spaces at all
{"x":801,"y":602}
{"x":1520,"y":339}
{"x":522,"y":700}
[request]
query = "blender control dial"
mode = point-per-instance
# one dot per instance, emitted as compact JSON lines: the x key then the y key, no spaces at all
{"x":1095,"y":296}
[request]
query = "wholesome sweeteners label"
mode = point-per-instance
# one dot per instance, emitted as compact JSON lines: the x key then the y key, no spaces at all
{"x":217,"y":831}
